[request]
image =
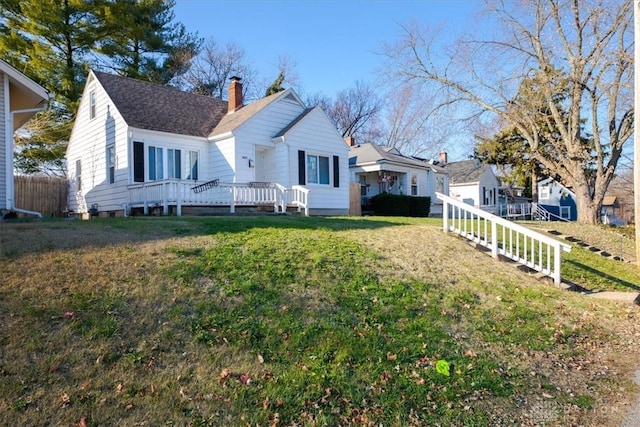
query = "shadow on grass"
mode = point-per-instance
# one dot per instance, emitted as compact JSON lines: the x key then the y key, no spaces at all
{"x":23,"y":237}
{"x":602,"y":275}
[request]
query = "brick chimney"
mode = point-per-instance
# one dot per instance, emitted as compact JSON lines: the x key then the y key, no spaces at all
{"x":443,"y":157}
{"x":235,"y":94}
{"x":350,"y":140}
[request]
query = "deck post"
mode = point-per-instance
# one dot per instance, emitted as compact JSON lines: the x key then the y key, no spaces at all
{"x":494,"y":238}
{"x":232,"y":205}
{"x":445,"y":216}
{"x":556,"y":265}
{"x":165,"y":199}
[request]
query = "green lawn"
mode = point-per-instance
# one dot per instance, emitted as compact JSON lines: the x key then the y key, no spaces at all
{"x":295,"y":321}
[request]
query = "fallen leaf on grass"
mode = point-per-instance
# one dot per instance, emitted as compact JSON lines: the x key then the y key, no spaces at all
{"x":66,"y":401}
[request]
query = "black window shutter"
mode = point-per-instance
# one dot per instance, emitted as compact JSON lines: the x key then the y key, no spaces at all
{"x":301,"y":168}
{"x":138,"y":161}
{"x":336,"y":171}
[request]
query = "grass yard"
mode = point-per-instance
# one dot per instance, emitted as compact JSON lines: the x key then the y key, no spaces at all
{"x":290,"y":321}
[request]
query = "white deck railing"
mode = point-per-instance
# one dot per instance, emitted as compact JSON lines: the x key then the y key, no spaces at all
{"x":503,"y":237}
{"x":180,"y":193}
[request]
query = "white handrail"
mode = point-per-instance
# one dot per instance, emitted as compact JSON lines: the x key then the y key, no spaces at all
{"x":527,"y":247}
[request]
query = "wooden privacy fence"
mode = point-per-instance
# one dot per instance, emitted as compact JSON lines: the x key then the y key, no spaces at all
{"x":41,"y":194}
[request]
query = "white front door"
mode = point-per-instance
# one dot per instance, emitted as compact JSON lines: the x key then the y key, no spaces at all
{"x":258,"y":164}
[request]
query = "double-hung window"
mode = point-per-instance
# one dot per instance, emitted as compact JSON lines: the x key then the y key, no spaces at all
{"x":111,"y":164}
{"x":92,"y":104}
{"x":414,"y":185}
{"x":317,"y":169}
{"x":155,"y":164}
{"x":78,"y":175}
{"x":174,"y":165}
{"x":192,"y":165}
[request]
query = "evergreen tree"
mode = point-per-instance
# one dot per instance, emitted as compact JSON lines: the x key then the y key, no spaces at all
{"x":276,"y":86}
{"x":48,"y":40}
{"x":55,"y":41}
{"x":144,"y":42}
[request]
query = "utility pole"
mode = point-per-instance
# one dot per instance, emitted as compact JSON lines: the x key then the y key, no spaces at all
{"x":636,"y":124}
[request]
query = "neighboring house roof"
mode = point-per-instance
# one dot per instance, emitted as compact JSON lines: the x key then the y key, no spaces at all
{"x":25,"y":94}
{"x":161,"y":108}
{"x":610,"y":201}
{"x":466,"y":171}
{"x":369,"y":154}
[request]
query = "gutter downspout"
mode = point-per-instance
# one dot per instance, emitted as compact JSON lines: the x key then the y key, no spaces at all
{"x":12,"y":206}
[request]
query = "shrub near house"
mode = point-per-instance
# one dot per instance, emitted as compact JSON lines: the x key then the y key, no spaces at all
{"x":398,"y":205}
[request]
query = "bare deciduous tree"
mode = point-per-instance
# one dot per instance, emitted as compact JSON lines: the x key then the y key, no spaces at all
{"x":355,"y":112}
{"x":210,"y":71}
{"x":411,"y":126}
{"x":581,"y":47}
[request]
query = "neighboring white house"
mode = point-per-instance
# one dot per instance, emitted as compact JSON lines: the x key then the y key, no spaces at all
{"x":472,"y":182}
{"x":383,"y":170}
{"x":137,"y":145}
{"x":557,"y":199}
{"x":20,"y":99}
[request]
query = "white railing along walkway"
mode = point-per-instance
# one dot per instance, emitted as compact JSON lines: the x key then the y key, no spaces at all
{"x":503,"y":237}
{"x":180,"y":193}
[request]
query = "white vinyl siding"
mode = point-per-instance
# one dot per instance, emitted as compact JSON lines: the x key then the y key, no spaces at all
{"x":107,"y":129}
{"x":5,"y":171}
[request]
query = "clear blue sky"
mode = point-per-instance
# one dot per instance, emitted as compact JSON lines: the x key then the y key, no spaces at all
{"x":334,"y":43}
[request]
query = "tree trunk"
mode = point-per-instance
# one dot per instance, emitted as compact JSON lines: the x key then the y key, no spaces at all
{"x":588,"y":207}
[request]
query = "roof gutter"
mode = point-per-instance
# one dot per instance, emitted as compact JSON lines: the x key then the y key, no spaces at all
{"x":12,"y":206}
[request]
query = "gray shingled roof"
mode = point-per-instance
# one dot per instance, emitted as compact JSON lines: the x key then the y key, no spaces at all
{"x":368,"y":153}
{"x":466,"y":171}
{"x":151,"y":106}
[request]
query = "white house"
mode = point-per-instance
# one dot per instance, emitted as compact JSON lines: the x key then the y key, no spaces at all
{"x":385,"y":170}
{"x":472,"y":182}
{"x":557,"y":199}
{"x":20,"y":99}
{"x":137,"y":145}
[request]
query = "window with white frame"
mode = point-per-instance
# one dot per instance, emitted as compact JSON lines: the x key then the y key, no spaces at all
{"x":544,"y":192}
{"x":92,"y":104}
{"x":317,"y":169}
{"x":363,"y":185}
{"x":191,"y":161}
{"x":440,"y":184}
{"x":174,"y":164}
{"x":414,"y":185}
{"x":111,"y":164}
{"x":565,"y":212}
{"x":155,"y":164}
{"x":78,"y":175}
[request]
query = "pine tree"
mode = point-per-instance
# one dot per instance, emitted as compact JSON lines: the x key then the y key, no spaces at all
{"x":144,"y":42}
